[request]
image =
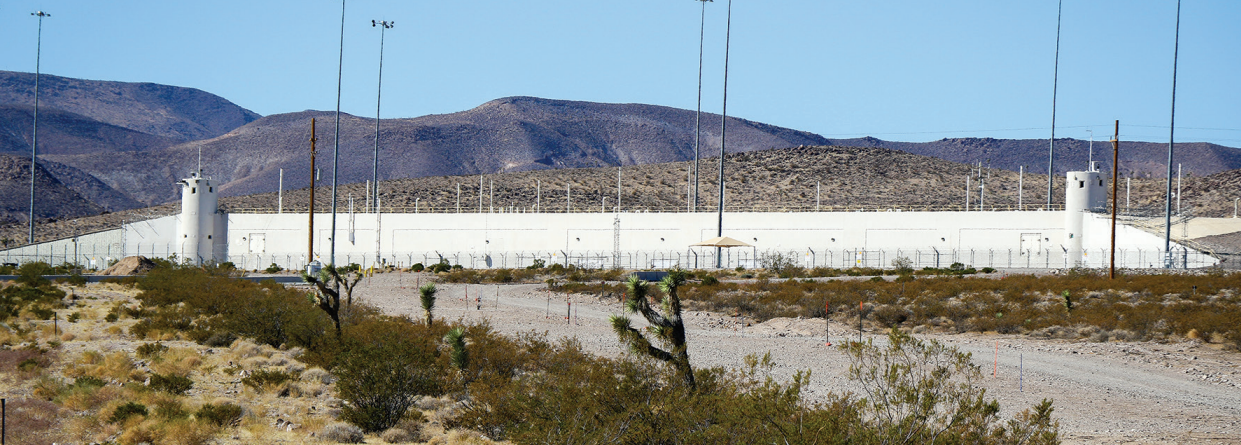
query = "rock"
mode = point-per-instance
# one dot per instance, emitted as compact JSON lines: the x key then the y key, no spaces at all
{"x":132,"y":265}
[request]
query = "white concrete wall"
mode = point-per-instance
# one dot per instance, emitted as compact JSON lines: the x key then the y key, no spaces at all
{"x":937,"y":239}
{"x":93,"y":250}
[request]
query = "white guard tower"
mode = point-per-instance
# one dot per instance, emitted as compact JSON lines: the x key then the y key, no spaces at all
{"x":199,"y":214}
{"x":1083,"y":192}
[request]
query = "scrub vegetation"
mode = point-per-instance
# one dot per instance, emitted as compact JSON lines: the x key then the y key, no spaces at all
{"x":286,"y":374}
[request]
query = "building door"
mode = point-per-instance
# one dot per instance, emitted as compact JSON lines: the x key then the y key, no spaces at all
{"x":1031,"y":242}
{"x":258,"y":242}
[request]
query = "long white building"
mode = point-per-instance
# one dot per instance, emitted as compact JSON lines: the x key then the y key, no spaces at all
{"x":1078,"y":236}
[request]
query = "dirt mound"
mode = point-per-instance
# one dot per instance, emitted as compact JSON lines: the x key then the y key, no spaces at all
{"x":132,"y":265}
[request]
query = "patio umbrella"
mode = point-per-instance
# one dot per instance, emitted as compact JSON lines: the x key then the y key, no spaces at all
{"x":722,"y":241}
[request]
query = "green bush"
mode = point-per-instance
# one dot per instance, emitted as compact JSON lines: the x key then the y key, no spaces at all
{"x":384,"y":366}
{"x":710,"y":280}
{"x":417,"y":267}
{"x":224,"y":414}
{"x":258,"y":380}
{"x":273,"y":268}
{"x":150,"y":350}
{"x":172,"y":383}
{"x":126,"y":411}
{"x":537,"y":264}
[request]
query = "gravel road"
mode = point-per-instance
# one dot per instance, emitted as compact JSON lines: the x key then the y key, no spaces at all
{"x":1148,"y":393}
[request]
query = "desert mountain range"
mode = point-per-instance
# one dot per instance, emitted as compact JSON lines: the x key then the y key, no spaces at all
{"x":113,"y":145}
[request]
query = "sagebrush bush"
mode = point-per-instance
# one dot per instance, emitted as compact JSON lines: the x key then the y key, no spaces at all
{"x":172,"y":384}
{"x":129,"y":409}
{"x":264,"y":378}
{"x":224,"y":414}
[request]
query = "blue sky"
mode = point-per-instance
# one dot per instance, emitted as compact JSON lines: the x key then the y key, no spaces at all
{"x":910,"y":70}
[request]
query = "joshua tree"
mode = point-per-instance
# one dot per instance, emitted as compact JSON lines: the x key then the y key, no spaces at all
{"x":456,"y":339}
{"x":329,"y":282}
{"x":427,"y":293}
{"x":668,"y":327}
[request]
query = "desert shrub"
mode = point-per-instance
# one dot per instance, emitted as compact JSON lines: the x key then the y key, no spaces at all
{"x":417,"y":267}
{"x":219,"y":339}
{"x":273,"y":268}
{"x":919,"y":392}
{"x":224,"y":414}
{"x":87,"y":381}
{"x":399,"y":435}
{"x":384,"y":366}
{"x":171,"y":384}
{"x":342,"y":433}
{"x":710,"y":280}
{"x":124,"y":412}
{"x":150,"y":350}
{"x":537,"y":264}
{"x":258,"y":380}
{"x":74,"y":279}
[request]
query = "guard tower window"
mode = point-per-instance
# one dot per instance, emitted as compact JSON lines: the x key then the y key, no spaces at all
{"x":1081,"y":184}
{"x":212,"y":189}
{"x":1100,"y":182}
{"x":193,"y":190}
{"x":208,"y":236}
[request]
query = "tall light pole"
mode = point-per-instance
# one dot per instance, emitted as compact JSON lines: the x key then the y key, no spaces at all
{"x":702,"y":27}
{"x":1051,"y":149}
{"x":34,"y":139}
{"x":336,"y":144}
{"x":1167,"y":218}
{"x":719,"y":231}
{"x":383,"y":25}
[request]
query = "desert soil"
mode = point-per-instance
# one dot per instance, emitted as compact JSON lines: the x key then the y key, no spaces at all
{"x":1136,"y":392}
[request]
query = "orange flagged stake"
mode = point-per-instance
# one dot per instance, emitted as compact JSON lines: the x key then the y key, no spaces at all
{"x":827,"y":317}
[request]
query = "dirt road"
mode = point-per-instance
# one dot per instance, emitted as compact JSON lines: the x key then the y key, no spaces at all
{"x":1147,"y":393}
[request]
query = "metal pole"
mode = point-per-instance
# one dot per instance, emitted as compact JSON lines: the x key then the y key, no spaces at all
{"x":967,"y":193}
{"x":1178,"y":188}
{"x":310,"y":243}
{"x":1167,"y":218}
{"x":458,"y":197}
{"x":1115,"y":169}
{"x":568,"y":197}
{"x":1090,"y":159}
{"x":693,"y":207}
{"x":1128,"y":188}
{"x":538,"y":195}
{"x":480,"y":194}
{"x":817,"y":195}
{"x":1021,"y":173}
{"x":383,"y":27}
{"x":280,"y":195}
{"x":34,"y":139}
{"x":719,"y":231}
{"x":491,"y":196}
{"x":618,"y":190}
{"x":1055,"y":83}
{"x":336,"y":145}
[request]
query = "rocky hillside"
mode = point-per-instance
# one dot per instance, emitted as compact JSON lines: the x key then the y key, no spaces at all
{"x":178,"y":113}
{"x":1144,"y":159}
{"x":54,"y":199}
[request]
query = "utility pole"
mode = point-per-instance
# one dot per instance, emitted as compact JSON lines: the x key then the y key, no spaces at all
{"x":1021,"y":173}
{"x":1055,"y":83}
{"x":336,"y":145}
{"x":1167,"y":218}
{"x":383,"y":25}
{"x":719,"y":231}
{"x":34,"y":139}
{"x":1115,"y":170}
{"x":280,"y":195}
{"x":310,"y":246}
{"x":693,"y":207}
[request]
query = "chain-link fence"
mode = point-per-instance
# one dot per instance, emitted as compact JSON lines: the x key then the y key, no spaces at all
{"x":98,"y":255}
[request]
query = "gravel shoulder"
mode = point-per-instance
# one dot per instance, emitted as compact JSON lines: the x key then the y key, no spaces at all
{"x":1144,"y":392}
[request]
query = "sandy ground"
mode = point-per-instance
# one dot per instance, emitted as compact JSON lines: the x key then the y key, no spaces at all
{"x":1147,"y":393}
